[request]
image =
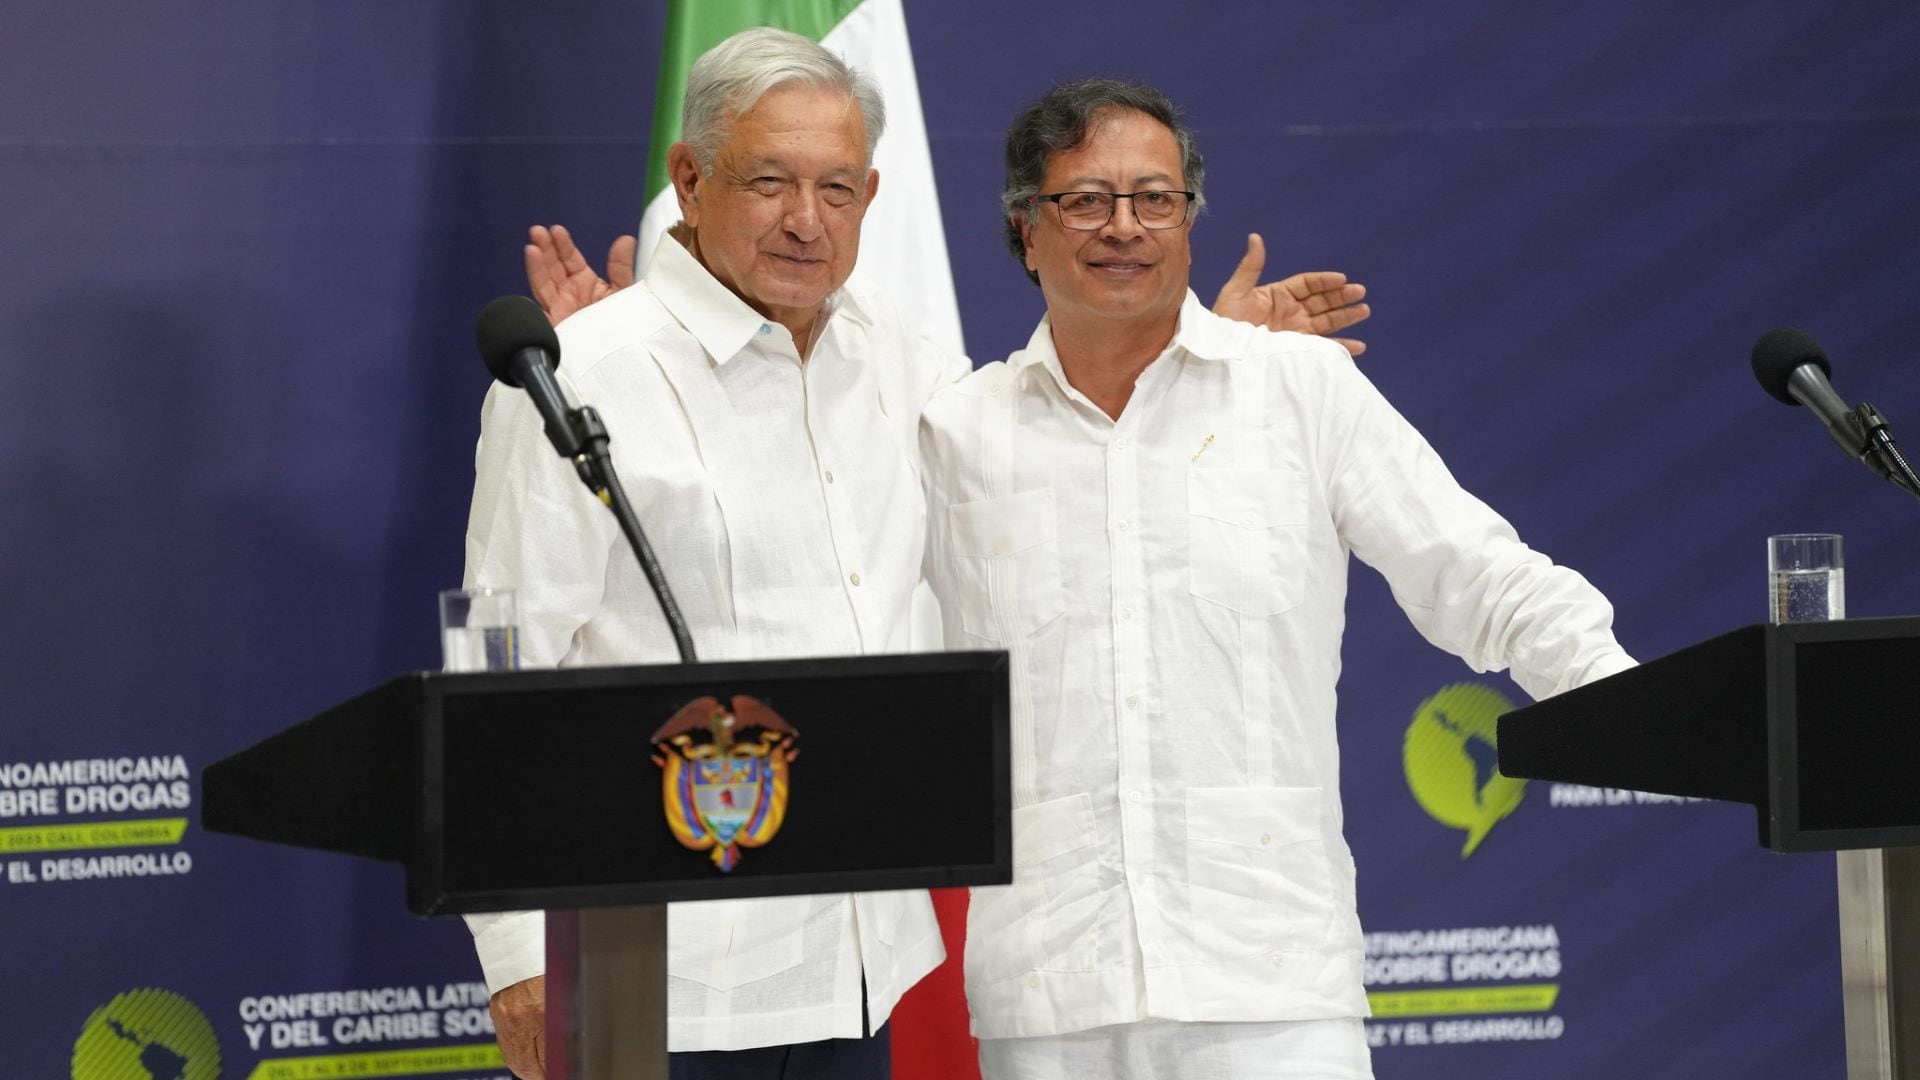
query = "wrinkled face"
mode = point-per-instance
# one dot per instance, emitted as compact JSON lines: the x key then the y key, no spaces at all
{"x":778,"y":222}
{"x":1121,"y":270}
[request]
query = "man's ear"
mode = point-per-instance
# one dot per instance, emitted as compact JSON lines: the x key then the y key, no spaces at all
{"x":1025,"y":225}
{"x":873,"y":185}
{"x":683,"y":172}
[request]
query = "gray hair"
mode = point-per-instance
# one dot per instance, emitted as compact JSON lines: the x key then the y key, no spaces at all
{"x":1060,"y":121}
{"x":730,"y":79}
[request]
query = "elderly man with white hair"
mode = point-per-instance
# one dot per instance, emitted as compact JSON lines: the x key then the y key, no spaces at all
{"x":765,"y":420}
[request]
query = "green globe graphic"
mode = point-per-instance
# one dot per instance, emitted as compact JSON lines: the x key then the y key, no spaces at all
{"x":1451,"y":761}
{"x":147,"y":1035}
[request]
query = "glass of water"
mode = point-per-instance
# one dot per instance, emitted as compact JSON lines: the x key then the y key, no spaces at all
{"x":479,"y":630}
{"x":1806,"y":581}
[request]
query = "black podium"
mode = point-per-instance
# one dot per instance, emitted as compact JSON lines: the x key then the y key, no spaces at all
{"x":603,"y":793}
{"x":1817,"y":726}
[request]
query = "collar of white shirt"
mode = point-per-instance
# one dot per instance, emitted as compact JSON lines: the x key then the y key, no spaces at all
{"x":718,"y":319}
{"x":1198,"y":332}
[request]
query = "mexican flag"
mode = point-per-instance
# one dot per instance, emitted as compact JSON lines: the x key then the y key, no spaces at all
{"x":903,"y":248}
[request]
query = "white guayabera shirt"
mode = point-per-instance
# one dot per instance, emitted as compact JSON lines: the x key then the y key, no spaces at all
{"x":784,"y":503}
{"x":1172,"y":587}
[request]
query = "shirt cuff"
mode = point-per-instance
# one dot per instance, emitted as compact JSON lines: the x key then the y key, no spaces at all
{"x":512,"y":946}
{"x":1612,"y":662}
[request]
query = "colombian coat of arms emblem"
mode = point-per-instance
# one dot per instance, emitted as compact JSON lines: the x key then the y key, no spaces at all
{"x":725,"y":775}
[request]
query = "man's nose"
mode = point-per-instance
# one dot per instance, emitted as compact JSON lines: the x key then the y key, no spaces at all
{"x":1119,"y":228}
{"x":803,"y":214}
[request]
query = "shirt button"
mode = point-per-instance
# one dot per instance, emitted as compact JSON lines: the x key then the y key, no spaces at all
{"x":1132,"y":700}
{"x":1266,"y":838}
{"x":1126,"y":613}
{"x":854,"y":577}
{"x":1122,"y":443}
{"x":1033,"y":980}
{"x":1134,"y":797}
{"x":829,"y":476}
{"x":1123,"y":525}
{"x":1250,"y":519}
{"x":766,"y":328}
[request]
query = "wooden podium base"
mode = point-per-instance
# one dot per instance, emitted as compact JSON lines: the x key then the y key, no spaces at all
{"x":1880,"y":961}
{"x":607,"y":993}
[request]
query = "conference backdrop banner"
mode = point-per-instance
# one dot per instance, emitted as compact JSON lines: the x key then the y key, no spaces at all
{"x":245,"y":244}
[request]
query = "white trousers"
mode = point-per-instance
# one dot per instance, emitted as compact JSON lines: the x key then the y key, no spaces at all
{"x":1173,"y":1050}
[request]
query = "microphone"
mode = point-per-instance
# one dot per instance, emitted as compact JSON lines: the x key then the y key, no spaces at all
{"x":1794,"y":369}
{"x":521,"y":349}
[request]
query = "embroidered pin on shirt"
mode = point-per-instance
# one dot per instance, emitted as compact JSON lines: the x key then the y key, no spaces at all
{"x":1204,"y":443}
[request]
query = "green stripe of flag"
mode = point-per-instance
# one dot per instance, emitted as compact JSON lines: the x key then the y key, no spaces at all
{"x":693,"y":27}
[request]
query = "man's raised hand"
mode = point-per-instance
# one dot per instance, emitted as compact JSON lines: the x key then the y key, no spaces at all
{"x":1321,"y":302}
{"x":560,"y":278}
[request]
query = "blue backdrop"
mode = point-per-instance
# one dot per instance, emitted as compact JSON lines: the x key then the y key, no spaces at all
{"x":246,"y":242}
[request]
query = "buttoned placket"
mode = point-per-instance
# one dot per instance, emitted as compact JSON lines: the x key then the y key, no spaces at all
{"x":1128,"y":621}
{"x":819,"y":379}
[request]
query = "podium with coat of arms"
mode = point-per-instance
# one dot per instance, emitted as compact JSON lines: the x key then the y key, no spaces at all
{"x":602,"y":794}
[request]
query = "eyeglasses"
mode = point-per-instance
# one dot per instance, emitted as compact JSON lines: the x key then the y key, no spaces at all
{"x":1090,"y":210}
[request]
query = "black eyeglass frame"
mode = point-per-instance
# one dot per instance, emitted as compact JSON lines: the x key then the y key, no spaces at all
{"x":1116,"y":196}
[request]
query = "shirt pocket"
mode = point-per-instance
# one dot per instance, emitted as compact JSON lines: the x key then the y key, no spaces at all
{"x":1257,"y":871}
{"x":726,"y":944}
{"x":1007,"y":553}
{"x":1246,"y":534}
{"x":1048,"y":918}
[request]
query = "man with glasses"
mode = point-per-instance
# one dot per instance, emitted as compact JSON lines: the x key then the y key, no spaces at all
{"x":1152,"y":509}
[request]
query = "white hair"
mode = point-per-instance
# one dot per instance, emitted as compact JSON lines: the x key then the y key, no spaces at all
{"x":731,"y":78}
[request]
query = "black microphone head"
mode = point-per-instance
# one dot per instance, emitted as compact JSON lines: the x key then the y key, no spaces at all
{"x":1778,"y":352}
{"x":508,"y":325}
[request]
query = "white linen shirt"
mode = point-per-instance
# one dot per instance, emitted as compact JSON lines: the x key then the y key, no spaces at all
{"x":784,"y":503}
{"x":1171,"y":586}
